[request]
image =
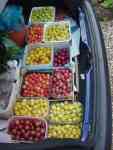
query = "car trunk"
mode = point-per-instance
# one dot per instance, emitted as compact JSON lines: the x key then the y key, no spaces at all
{"x":91,"y":80}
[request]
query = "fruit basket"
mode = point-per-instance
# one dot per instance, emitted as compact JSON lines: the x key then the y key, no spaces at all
{"x":66,"y":113}
{"x":62,"y":83}
{"x":56,"y":32}
{"x":38,"y":55}
{"x":42,"y":14}
{"x":56,"y":83}
{"x":61,"y":55}
{"x":27,"y":129}
{"x":35,"y":33}
{"x":32,"y":107}
{"x":35,"y":83}
{"x":64,"y":131}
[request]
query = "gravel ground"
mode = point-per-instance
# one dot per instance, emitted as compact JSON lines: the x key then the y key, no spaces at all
{"x":107,"y":28}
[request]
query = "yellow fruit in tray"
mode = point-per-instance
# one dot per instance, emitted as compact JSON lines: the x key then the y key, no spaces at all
{"x":40,"y":55}
{"x":57,"y":32}
{"x":43,"y":14}
{"x":66,"y":112}
{"x":31,"y":107}
{"x":64,"y":131}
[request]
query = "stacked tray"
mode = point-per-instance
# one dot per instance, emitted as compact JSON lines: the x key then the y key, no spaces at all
{"x":46,"y":88}
{"x":51,"y":83}
{"x":46,"y":56}
{"x":49,"y":32}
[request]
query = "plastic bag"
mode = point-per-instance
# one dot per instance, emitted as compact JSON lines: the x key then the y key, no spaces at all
{"x":12,"y":49}
{"x":12,"y":19}
{"x":8,"y":51}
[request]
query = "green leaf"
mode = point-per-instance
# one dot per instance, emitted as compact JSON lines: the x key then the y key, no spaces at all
{"x":107,"y":4}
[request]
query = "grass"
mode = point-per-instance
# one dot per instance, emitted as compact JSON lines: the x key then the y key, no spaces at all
{"x":104,"y":9}
{"x":107,"y":4}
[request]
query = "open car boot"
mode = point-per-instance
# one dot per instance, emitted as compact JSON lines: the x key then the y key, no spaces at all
{"x":54,"y":90}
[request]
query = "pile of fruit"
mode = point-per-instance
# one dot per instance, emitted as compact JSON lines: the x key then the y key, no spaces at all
{"x":56,"y":85}
{"x":61,"y":57}
{"x":36,"y":85}
{"x":46,"y":55}
{"x":39,"y":55}
{"x":66,"y":112}
{"x":57,"y":32}
{"x":43,"y":14}
{"x":61,"y":83}
{"x":64,"y":131}
{"x":35,"y":34}
{"x":31,"y":107}
{"x":46,"y":92}
{"x":27,"y":129}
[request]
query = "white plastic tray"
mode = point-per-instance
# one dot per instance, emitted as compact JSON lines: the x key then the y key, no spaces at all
{"x":20,"y":99}
{"x":22,"y":117}
{"x":24,"y":71}
{"x":31,"y":48}
{"x":57,"y":48}
{"x":57,"y":23}
{"x":71,"y":95}
{"x":38,"y":8}
{"x":30,"y":26}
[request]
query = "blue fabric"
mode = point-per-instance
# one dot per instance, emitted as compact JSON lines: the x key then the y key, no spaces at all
{"x":11,"y":19}
{"x":75,"y":42}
